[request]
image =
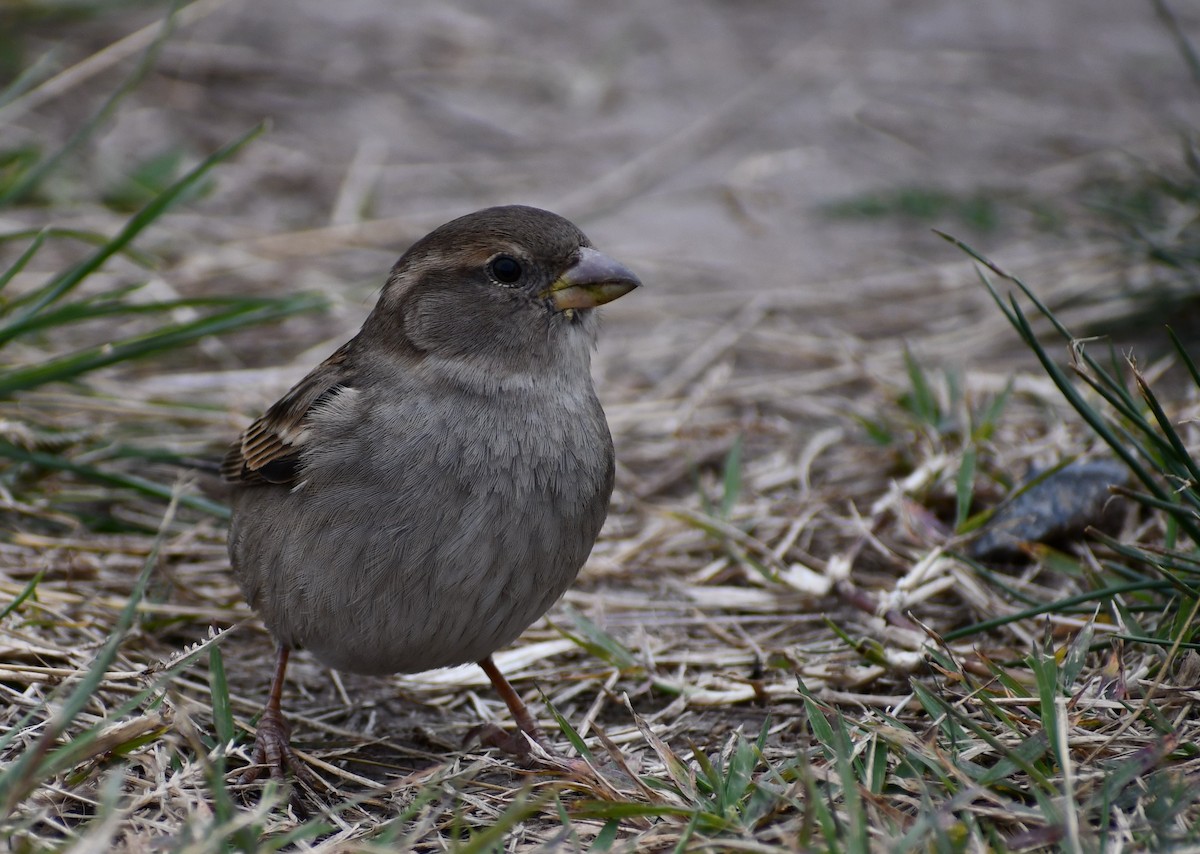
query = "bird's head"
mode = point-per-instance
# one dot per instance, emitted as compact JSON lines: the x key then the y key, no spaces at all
{"x":514,"y":285}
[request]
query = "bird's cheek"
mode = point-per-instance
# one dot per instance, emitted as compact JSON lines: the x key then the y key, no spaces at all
{"x":439,"y":322}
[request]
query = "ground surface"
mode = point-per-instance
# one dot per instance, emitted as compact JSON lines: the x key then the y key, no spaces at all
{"x":771,"y":169}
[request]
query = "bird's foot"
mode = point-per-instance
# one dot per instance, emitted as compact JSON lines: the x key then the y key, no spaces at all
{"x":528,"y":744}
{"x":516,"y":744}
{"x":531,"y":750}
{"x":273,"y":753}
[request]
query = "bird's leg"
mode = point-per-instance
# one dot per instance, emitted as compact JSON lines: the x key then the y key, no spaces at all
{"x":496,"y":737}
{"x":492,"y":736}
{"x":272,"y":752}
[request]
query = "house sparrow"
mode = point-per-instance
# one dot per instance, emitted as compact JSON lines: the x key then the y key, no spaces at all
{"x":435,"y":485}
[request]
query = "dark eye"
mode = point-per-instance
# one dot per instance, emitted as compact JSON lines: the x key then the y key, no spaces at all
{"x":505,"y":270}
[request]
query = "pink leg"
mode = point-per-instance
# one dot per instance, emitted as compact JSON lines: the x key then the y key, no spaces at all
{"x":272,"y":752}
{"x":492,"y":735}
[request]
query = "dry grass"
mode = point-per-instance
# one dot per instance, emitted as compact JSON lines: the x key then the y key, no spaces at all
{"x":719,"y":584}
{"x":769,"y":648}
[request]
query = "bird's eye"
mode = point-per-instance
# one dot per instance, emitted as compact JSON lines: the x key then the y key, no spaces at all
{"x":504,"y":269}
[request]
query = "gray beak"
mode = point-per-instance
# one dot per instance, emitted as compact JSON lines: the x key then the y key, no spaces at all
{"x":591,"y":281}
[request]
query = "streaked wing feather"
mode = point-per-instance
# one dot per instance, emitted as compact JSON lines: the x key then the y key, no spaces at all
{"x":269,"y":450}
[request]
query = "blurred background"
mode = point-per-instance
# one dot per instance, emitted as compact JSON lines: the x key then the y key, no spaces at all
{"x":790,"y":153}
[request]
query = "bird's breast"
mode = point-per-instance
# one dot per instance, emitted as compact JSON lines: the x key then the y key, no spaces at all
{"x":438,"y":527}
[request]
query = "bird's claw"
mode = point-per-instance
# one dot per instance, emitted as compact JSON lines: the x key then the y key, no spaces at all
{"x":273,"y":753}
{"x":515,"y":744}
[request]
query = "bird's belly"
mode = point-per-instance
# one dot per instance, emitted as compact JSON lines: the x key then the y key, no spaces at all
{"x":394,"y":585}
{"x":433,"y":593}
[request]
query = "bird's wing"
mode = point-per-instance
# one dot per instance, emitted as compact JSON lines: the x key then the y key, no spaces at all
{"x":269,"y":450}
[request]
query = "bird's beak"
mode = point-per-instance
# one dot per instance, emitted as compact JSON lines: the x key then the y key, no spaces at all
{"x":591,"y":281}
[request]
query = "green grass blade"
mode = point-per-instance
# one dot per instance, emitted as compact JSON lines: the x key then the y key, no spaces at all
{"x":1180,"y":450}
{"x":38,"y":70}
{"x":1025,"y":754}
{"x":1093,"y":418}
{"x":922,"y":402}
{"x":858,"y":836}
{"x":1077,"y":653}
{"x":611,"y":810}
{"x":964,"y":488}
{"x":569,"y":731}
{"x":140,"y":485}
{"x":92,"y":238}
{"x":70,"y":279}
{"x":493,"y":837}
{"x":991,"y":416}
{"x":219,"y":691}
{"x":1182,"y":43}
{"x":170,"y":337}
{"x":1182,"y":352}
{"x":113,"y":304}
{"x":1045,"y":671}
{"x":20,"y":188}
{"x":739,"y":781}
{"x":598,"y":642}
{"x":1107,"y":386}
{"x":25,"y":257}
{"x":1051,"y":607}
{"x":23,"y":595}
{"x":732,"y":485}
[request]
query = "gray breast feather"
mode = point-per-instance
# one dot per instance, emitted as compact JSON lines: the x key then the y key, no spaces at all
{"x":457,"y":529}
